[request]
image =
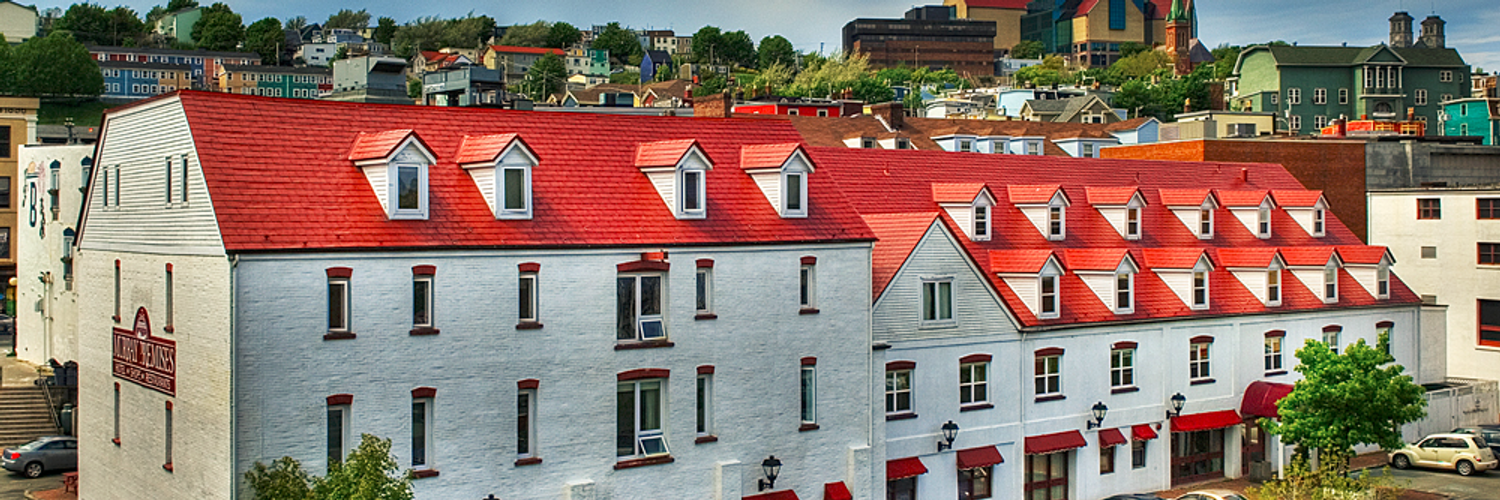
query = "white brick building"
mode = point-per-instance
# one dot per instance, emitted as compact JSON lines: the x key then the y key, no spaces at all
{"x":527,"y":305}
{"x":46,"y":301}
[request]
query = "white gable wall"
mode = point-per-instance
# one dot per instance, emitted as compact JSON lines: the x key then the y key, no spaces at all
{"x":975,"y":308}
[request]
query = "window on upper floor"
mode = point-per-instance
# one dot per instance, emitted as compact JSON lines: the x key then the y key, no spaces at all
{"x":1331,"y":283}
{"x":422,"y":303}
{"x":1294,"y":96}
{"x":898,"y":391}
{"x":1429,"y":209}
{"x":1383,"y":282}
{"x":338,"y":302}
{"x":1420,"y":97}
{"x":1273,"y":358}
{"x":639,"y":307}
{"x":808,"y":285}
{"x":794,"y":191}
{"x":1447,"y":97}
{"x":1056,"y":222}
{"x":692,"y":186}
{"x":903,"y":143}
{"x":1343,"y":96}
{"x":526,"y":423}
{"x":867,"y":142}
{"x":1124,"y":292}
{"x":527,"y":310}
{"x":1445,"y":76}
{"x":410,"y":178}
{"x":1205,"y":223}
{"x":641,"y":404}
{"x":338,"y":431}
{"x":1200,"y":287}
{"x":1489,"y":323}
{"x":937,"y":300}
{"x":1263,"y":222}
{"x":1320,"y":96}
{"x":965,"y":145}
{"x":1199,"y":352}
{"x":822,"y":112}
{"x":515,"y":189}
{"x":1132,"y":223}
{"x":1047,"y":374}
{"x":1319,"y":219}
{"x":1047,"y":290}
{"x":1489,"y":254}
{"x":1331,"y":337}
{"x":1088,"y":150}
{"x":809,"y":394}
{"x":1122,"y":367}
{"x":1034,"y":148}
{"x":704,"y":289}
{"x":981,"y":222}
{"x":703,"y":409}
{"x":973,"y":383}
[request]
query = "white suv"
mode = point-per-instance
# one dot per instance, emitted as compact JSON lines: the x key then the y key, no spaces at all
{"x":1464,"y":453}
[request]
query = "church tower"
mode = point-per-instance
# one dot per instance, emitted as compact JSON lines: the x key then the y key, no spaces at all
{"x":1179,"y":38}
{"x":1401,"y":30}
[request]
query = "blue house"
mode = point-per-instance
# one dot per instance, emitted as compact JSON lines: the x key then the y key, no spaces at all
{"x":652,"y":62}
{"x":133,"y":80}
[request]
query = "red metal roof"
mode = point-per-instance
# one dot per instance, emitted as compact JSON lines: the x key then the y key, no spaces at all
{"x":1261,"y":397}
{"x":1093,"y":259}
{"x":511,"y":49}
{"x":1206,"y":421}
{"x":663,"y":153}
{"x":836,"y":490}
{"x":962,"y":192}
{"x":588,"y":190}
{"x":375,"y":145}
{"x":1240,"y":199}
{"x":1018,"y":261}
{"x":983,"y":456}
{"x":1296,"y":197}
{"x":1052,"y":443}
{"x":1255,"y":258}
{"x":1142,"y":432}
{"x":482,"y":148}
{"x":1172,"y":258}
{"x":1111,"y":437}
{"x":1362,"y":254}
{"x":773,"y":495}
{"x":1031,"y":194}
{"x":1306,"y":256}
{"x":898,"y":235}
{"x":902,"y":468}
{"x":761,"y":156}
{"x":1119,"y":195}
{"x":1183,"y":197}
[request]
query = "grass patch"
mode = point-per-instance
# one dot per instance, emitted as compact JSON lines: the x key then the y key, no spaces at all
{"x":85,"y":112}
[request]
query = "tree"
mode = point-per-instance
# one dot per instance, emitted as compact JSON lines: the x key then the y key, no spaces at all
{"x":776,"y":49}
{"x":714,"y":84}
{"x":413,"y":88}
{"x":737,"y":49}
{"x":54,"y":65}
{"x":295,"y":23}
{"x":155,"y":13}
{"x":527,"y":35}
{"x":340,"y":54}
{"x":219,"y":28}
{"x":385,"y":30}
{"x":627,"y":77}
{"x":872,"y":91}
{"x":1225,"y":57}
{"x":1356,"y":397}
{"x":1027,"y":49}
{"x":1189,"y":91}
{"x":1141,"y":64}
{"x":708,"y":44}
{"x":666,"y":73}
{"x":1128,"y":49}
{"x":423,"y":33}
{"x":469,"y":31}
{"x":1326,"y":483}
{"x":283,"y":480}
{"x":265,"y":37}
{"x":370,"y":472}
{"x":176,"y":5}
{"x":1137,"y":99}
{"x":348,"y":19}
{"x":563,"y":35}
{"x":546,"y":77}
{"x":620,"y":42}
{"x":91,"y":24}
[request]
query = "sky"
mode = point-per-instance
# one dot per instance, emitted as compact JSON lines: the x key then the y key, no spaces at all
{"x":1473,"y":25}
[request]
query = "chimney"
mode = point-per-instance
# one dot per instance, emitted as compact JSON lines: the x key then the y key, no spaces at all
{"x":1245,"y":175}
{"x":891,"y":112}
{"x":1432,"y":32}
{"x":719,"y":105}
{"x":1401,"y":30}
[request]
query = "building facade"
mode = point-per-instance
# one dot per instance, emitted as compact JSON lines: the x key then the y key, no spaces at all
{"x":275,"y":81}
{"x":926,"y":37}
{"x":18,"y":117}
{"x":1006,"y":14}
{"x":179,"y":25}
{"x":132,"y":80}
{"x":204,"y":64}
{"x":714,"y":318}
{"x":514,"y":61}
{"x":51,"y":195}
{"x":1089,"y":33}
{"x":1478,"y":117}
{"x":17,"y":22}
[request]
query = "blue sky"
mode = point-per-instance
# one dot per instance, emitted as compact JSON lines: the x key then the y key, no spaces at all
{"x":1472,"y":24}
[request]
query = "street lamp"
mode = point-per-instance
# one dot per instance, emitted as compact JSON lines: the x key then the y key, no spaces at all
{"x":1099,"y":410}
{"x":772,"y":468}
{"x":1178,"y":400}
{"x":950,"y":433}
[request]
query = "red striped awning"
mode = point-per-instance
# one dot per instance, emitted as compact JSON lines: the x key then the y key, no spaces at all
{"x":983,"y":456}
{"x":903,"y":468}
{"x":836,"y":491}
{"x":1142,"y":432}
{"x":1110,"y":437}
{"x":773,"y":495}
{"x":1053,"y":443}
{"x":1206,"y":421}
{"x":1261,"y":397}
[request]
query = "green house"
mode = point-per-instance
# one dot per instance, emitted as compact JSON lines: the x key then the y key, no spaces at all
{"x":1307,"y":87}
{"x":1473,"y":116}
{"x":179,"y":24}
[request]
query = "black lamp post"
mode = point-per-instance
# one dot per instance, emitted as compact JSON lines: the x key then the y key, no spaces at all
{"x":1099,"y":410}
{"x":1178,"y":400}
{"x":772,"y":468}
{"x":950,"y":433}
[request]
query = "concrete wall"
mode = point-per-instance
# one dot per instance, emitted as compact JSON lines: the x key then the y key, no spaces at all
{"x":46,"y":299}
{"x":1407,"y":164}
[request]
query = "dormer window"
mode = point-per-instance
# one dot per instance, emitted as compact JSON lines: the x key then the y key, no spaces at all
{"x":965,"y":145}
{"x":1318,"y":222}
{"x":1205,"y":223}
{"x":867,"y":142}
{"x":1308,"y":208}
{"x":1370,"y":266}
{"x":1331,"y":283}
{"x":795,"y":191}
{"x":1252,"y":209}
{"x":410,"y":178}
{"x":970,"y":205}
{"x":1132,"y":223}
{"x":1383,"y":282}
{"x":1264,"y":222}
{"x":1200,"y":288}
{"x":781,"y":171}
{"x":1045,"y":206}
{"x":1047,"y":296}
{"x":501,"y":166}
{"x":692,"y":187}
{"x":678,"y":170}
{"x":1273,"y":287}
{"x":1121,"y":207}
{"x":1124,"y":292}
{"x":395,"y":162}
{"x":903,"y":143}
{"x":981,"y":222}
{"x":1055,"y":222}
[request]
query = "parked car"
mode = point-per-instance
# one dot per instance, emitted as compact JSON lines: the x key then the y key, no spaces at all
{"x":1464,"y":453}
{"x":1212,"y":495}
{"x":48,"y":453}
{"x":1490,"y":434}
{"x":1134,"y":496}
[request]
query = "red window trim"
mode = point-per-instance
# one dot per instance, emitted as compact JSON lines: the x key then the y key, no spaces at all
{"x":975,"y":358}
{"x":809,"y":260}
{"x":169,"y":267}
{"x":1276,"y":333}
{"x":643,"y":265}
{"x":1202,"y":339}
{"x":341,"y":400}
{"x":1479,"y":254}
{"x":424,"y":270}
{"x":640,"y":373}
{"x":340,"y":272}
{"x":1494,"y":208}
{"x":529,"y":267}
{"x":810,"y":361}
{"x":1479,"y":320}
{"x":529,"y":383}
{"x":424,"y":392}
{"x":1420,"y":209}
{"x":1386,"y":324}
{"x":708,"y":263}
{"x":900,"y":365}
{"x":1123,"y":344}
{"x":1333,"y":328}
{"x":1049,"y":351}
{"x":169,"y":405}
{"x":706,"y":370}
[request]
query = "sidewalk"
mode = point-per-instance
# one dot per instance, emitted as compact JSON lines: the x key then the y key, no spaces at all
{"x":13,"y":371}
{"x":1372,"y":460}
{"x":57,"y":494}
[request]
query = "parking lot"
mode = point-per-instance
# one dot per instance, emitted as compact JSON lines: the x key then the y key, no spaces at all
{"x":13,"y":487}
{"x":1484,"y":486}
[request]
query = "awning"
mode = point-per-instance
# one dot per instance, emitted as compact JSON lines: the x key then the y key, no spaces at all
{"x":836,"y":491}
{"x":773,"y":495}
{"x":1110,"y":437}
{"x":1206,"y":421}
{"x":983,"y":456}
{"x":1261,"y":397}
{"x":1053,"y":443}
{"x":1142,"y":432}
{"x":903,"y":468}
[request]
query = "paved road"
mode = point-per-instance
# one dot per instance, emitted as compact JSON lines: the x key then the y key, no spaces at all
{"x":1477,"y":487}
{"x":13,"y":487}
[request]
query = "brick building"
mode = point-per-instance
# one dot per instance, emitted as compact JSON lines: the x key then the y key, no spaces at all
{"x":926,"y":37}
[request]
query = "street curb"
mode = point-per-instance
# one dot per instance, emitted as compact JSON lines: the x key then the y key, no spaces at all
{"x":29,"y":496}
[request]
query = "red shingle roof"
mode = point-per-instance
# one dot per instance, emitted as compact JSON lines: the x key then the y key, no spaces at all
{"x":1172,"y":258}
{"x":483,"y":148}
{"x":375,"y":145}
{"x":1093,"y":259}
{"x":963,"y":192}
{"x":1018,"y":261}
{"x":1296,"y":197}
{"x":1362,"y":254}
{"x":898,"y":235}
{"x":767,"y":155}
{"x":587,"y":189}
{"x":1111,"y":195}
{"x":1184,"y":197}
{"x":662,"y":153}
{"x":1240,"y":198}
{"x":1306,"y":256}
{"x":1031,"y":194}
{"x":511,"y":49}
{"x":1256,"y":258}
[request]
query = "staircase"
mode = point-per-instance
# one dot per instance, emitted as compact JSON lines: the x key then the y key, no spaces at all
{"x":24,"y":415}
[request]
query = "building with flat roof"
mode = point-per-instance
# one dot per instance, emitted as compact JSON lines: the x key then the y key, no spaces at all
{"x":370,"y":79}
{"x":926,"y":37}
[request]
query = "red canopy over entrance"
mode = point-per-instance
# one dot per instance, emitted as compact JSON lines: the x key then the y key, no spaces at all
{"x":836,"y":491}
{"x":1261,"y":397}
{"x":1052,"y":443}
{"x":1206,"y":421}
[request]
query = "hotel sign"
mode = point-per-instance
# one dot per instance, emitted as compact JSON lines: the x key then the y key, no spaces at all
{"x":148,"y":361}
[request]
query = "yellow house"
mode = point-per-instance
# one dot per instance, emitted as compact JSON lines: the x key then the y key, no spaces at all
{"x":1005,"y":13}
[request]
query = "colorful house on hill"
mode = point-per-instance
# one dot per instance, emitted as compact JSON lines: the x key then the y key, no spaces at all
{"x":1089,"y":32}
{"x":1078,"y":328}
{"x":654,"y":61}
{"x":133,"y":80}
{"x":276,"y":81}
{"x":179,"y":24}
{"x":1476,"y":117}
{"x":203,"y":64}
{"x":17,"y":22}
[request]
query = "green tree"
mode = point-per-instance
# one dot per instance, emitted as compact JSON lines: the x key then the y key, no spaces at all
{"x":54,"y":65}
{"x":546,"y":77}
{"x":283,"y":480}
{"x":714,"y":84}
{"x":1225,"y":57}
{"x":1027,"y":49}
{"x":92,"y":24}
{"x":266,"y":38}
{"x":831,"y":76}
{"x":620,"y":42}
{"x":899,"y":75}
{"x":627,"y":77}
{"x":1128,"y":49}
{"x":219,"y":28}
{"x":468,"y":32}
{"x":423,"y":33}
{"x":563,"y":35}
{"x":1138,"y":99}
{"x":155,"y":13}
{"x":176,"y":5}
{"x":1344,"y":399}
{"x":1189,"y":91}
{"x":775,"y":49}
{"x":1141,"y":64}
{"x":9,"y":79}
{"x":413,"y":88}
{"x":666,"y":73}
{"x":1326,"y":483}
{"x":385,"y":30}
{"x":348,"y":19}
{"x":340,"y":54}
{"x":708,"y":45}
{"x":526,"y":35}
{"x":295,"y":23}
{"x":872,"y":90}
{"x":370,"y":472}
{"x":738,"y":49}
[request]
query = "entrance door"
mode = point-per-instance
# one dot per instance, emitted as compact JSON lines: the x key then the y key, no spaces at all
{"x":901,"y":489}
{"x":1252,"y":446}
{"x":1047,"y":476}
{"x":1197,"y":456}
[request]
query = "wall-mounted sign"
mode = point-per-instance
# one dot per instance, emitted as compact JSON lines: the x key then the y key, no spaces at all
{"x":146,"y":360}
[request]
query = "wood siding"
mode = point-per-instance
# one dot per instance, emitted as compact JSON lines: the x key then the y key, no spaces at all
{"x":976,"y":310}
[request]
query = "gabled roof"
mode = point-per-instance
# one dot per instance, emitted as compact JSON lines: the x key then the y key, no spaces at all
{"x":1019,"y":261}
{"x":1184,"y":197}
{"x":1364,"y":254}
{"x":1024,"y":194}
{"x":1297,"y":198}
{"x":483,"y":148}
{"x":1252,"y":258}
{"x":1240,"y":198}
{"x":962,"y":192}
{"x":898,"y":235}
{"x":663,"y":153}
{"x":1173,"y":258}
{"x":832,"y":130}
{"x":1308,"y":256}
{"x":1119,"y":195}
{"x":1094,"y":259}
{"x":1309,"y":55}
{"x":376,"y":145}
{"x":763,"y":156}
{"x":1131,"y":124}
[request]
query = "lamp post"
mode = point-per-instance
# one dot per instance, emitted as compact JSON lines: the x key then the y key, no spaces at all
{"x":771,"y":467}
{"x":950,"y":433}
{"x":1099,"y":410}
{"x":1178,"y":401}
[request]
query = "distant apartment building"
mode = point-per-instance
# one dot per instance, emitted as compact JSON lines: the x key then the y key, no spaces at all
{"x":18,"y":116}
{"x":134,"y":80}
{"x":276,"y":81}
{"x":203,"y":64}
{"x":179,"y":24}
{"x":585,"y":61}
{"x":927,"y":37}
{"x":1473,"y":117}
{"x":17,"y":22}
{"x":1485,"y":85}
{"x":371,"y":80}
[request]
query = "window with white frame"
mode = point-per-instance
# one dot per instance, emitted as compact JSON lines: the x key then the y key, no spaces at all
{"x":1263,"y":222}
{"x":973,"y":383}
{"x":1294,"y":96}
{"x":338,"y":304}
{"x":937,"y":300}
{"x":704,"y":290}
{"x":1383,"y":282}
{"x":640,"y":404}
{"x":809,"y":390}
{"x":1056,"y":222}
{"x":1205,"y":222}
{"x":515,"y":190}
{"x":903,"y":143}
{"x":421,"y":308}
{"x":1445,"y":76}
{"x":410,"y":179}
{"x":808,"y":285}
{"x":1124,"y":292}
{"x":981,"y":222}
{"x":1320,"y":96}
{"x":1198,"y":359}
{"x":703,"y":410}
{"x":421,"y":432}
{"x":526,"y":423}
{"x":1446,"y":98}
{"x":167,"y":184}
{"x":1047,"y":296}
{"x":1331,"y":338}
{"x":526,"y":311}
{"x":965,"y":145}
{"x":1088,"y":149}
{"x":1034,"y":147}
{"x":1320,"y":121}
{"x":1331,"y":283}
{"x":1319,"y":218}
{"x":1122,"y":367}
{"x":794,"y":194}
{"x":1200,"y":287}
{"x":1047,"y":374}
{"x":867,"y":142}
{"x":338,"y":432}
{"x":691,"y":186}
{"x":1132,"y":223}
{"x":183,"y":174}
{"x":1294,"y":122}
{"x":898,"y":391}
{"x":1343,"y":96}
{"x":1273,"y":287}
{"x":639,"y":307}
{"x":1273,"y":352}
